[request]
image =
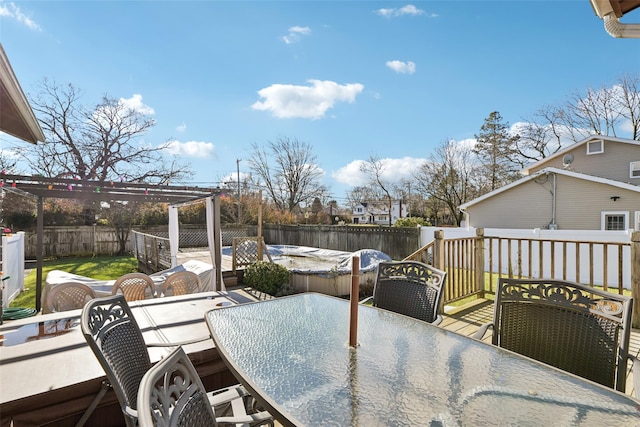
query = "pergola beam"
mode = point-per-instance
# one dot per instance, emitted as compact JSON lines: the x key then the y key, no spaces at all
{"x":105,"y":191}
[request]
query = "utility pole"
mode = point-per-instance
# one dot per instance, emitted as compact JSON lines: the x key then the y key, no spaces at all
{"x":238,"y":173}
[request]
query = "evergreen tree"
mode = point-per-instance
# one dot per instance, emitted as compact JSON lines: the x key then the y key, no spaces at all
{"x":495,"y":148}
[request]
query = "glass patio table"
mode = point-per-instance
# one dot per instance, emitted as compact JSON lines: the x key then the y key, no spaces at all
{"x":292,"y":354}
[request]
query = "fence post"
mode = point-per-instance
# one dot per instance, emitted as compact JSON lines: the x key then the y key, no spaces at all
{"x":438,"y":250}
{"x":635,"y":277}
{"x":479,"y":261}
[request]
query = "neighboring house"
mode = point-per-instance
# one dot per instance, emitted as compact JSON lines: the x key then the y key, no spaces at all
{"x":593,"y":184}
{"x":378,"y":212}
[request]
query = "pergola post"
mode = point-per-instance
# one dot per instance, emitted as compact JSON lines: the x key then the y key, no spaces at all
{"x":39,"y":254}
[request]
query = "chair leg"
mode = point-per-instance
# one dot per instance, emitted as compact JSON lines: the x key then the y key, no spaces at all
{"x":94,"y":403}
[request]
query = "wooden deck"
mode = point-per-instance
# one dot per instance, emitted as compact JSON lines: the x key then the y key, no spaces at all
{"x":468,"y":319}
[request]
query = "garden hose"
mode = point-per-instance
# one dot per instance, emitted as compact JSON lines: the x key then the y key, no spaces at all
{"x":13,"y":313}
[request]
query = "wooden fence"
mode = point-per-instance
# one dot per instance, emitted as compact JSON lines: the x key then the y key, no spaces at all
{"x":65,"y":241}
{"x":397,"y":242}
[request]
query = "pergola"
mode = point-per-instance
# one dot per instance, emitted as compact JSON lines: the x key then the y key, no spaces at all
{"x":38,"y":188}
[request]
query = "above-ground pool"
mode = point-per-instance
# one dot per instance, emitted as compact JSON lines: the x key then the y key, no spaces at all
{"x":323,"y":270}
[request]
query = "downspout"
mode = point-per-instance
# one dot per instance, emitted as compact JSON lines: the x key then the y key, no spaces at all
{"x":617,"y":29}
{"x":553,"y":225}
{"x":466,"y":218}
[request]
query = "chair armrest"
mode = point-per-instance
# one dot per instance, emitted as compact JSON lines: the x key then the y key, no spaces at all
{"x":366,"y":300}
{"x":482,"y":331}
{"x":226,"y":395}
{"x":437,"y":320}
{"x":635,"y":371}
{"x":178,"y":343}
{"x":131,"y":413}
{"x":260,"y":418}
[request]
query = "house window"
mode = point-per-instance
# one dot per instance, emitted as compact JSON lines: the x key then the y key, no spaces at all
{"x":614,"y":220}
{"x":637,"y":222}
{"x":595,"y":147}
{"x":634,"y":170}
{"x":359,"y":210}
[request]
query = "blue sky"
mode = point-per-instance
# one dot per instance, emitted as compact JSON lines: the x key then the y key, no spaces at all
{"x":392,"y":79}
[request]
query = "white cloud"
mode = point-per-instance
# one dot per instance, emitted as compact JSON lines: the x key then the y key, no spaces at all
{"x":387,"y":13}
{"x":10,"y":10}
{"x":410,"y":10}
{"x":135,"y":103}
{"x":190,"y":148}
{"x":181,"y":127}
{"x":404,"y":10}
{"x":295,"y":33}
{"x":402,"y":67}
{"x":394,"y":170}
{"x":310,"y":102}
{"x":231,"y":180}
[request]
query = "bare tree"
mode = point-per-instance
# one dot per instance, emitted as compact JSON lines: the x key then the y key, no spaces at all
{"x":449,"y":177}
{"x":540,"y":137}
{"x":628,"y":90}
{"x":288,"y":170}
{"x":374,"y":169}
{"x":101,"y":143}
{"x":360,"y":194}
{"x":595,"y":112}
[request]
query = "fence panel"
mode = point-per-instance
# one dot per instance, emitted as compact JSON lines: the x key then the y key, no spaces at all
{"x":12,"y":267}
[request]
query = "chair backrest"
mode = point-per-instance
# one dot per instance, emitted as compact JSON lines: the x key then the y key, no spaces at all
{"x":134,"y":286}
{"x":573,"y":327}
{"x":116,"y":339}
{"x":172,"y":394}
{"x":68,"y":296}
{"x":181,"y":283}
{"x":410,"y":288}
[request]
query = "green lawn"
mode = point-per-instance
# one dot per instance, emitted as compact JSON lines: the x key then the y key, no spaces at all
{"x":103,"y":268}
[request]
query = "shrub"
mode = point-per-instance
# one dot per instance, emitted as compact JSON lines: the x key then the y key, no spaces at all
{"x":266,"y":277}
{"x":410,"y":221}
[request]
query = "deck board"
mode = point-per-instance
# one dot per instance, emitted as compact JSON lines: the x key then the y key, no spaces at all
{"x":468,"y":319}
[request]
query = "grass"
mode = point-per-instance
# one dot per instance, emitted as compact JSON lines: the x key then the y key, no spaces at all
{"x":102,"y":268}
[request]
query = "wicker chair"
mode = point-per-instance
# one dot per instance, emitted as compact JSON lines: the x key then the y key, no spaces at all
{"x":172,"y":394}
{"x":115,"y":338}
{"x":134,"y":287}
{"x":182,"y":283}
{"x":68,"y":296}
{"x":573,"y":327}
{"x":410,"y":288}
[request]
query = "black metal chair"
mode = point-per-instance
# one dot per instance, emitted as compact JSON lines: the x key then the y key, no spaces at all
{"x":573,"y":327}
{"x":410,"y":288}
{"x":115,"y":338}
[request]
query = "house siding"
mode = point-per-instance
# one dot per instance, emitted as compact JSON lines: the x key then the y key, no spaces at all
{"x":579,"y":204}
{"x":613,"y":163}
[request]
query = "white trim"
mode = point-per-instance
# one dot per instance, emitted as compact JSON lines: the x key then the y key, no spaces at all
{"x":19,"y":101}
{"x":574,"y":146}
{"x":604,"y":214}
{"x":634,"y":167}
{"x":591,"y":178}
{"x":637,"y":221}
{"x":590,"y":151}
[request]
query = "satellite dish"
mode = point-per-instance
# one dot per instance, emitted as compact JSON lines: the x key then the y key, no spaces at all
{"x":567,"y":159}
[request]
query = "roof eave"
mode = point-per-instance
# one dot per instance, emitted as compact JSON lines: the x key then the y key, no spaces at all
{"x":18,"y":118}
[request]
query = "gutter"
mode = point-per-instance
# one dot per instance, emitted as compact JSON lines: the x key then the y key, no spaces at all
{"x":617,"y":29}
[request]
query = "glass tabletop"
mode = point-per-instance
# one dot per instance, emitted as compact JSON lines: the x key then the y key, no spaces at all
{"x":293,"y":355}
